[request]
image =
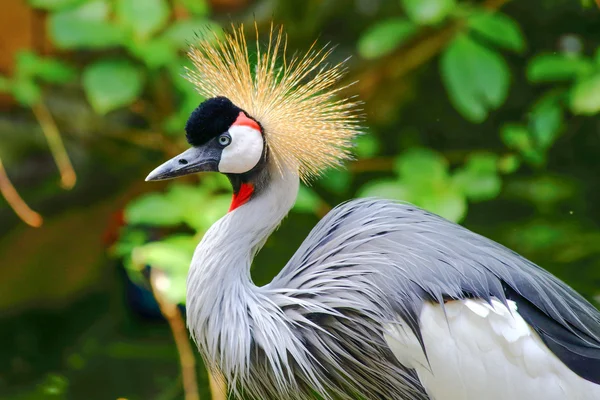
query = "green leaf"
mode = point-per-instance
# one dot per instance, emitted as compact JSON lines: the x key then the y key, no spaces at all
{"x":176,"y":122}
{"x":424,"y":181}
{"x":516,"y":137}
{"x":482,"y":163}
{"x":499,"y":29}
{"x":54,"y":5}
{"x":475,"y":77}
{"x":184,"y":32}
{"x":143,"y":17}
{"x":385,"y":36}
{"x":26,"y":91}
{"x":54,"y":386}
{"x":542,"y":190}
{"x":129,"y":238}
{"x":367,"y":146}
{"x":585,"y":96}
{"x":479,"y":179}
{"x":337,"y":181}
{"x":177,"y":72}
{"x":190,"y":97}
{"x":427,"y":12}
{"x":30,"y":65}
{"x":26,"y":64}
{"x":197,"y":7}
{"x":215,"y":209}
{"x":307,"y":201}
{"x":86,"y":26}
{"x":519,"y":138}
{"x":55,"y":71}
{"x":545,"y":122}
{"x":154,"y":53}
{"x":216,"y":182}
{"x":557,"y":67}
{"x":187,"y":198}
{"x":111,"y":84}
{"x":448,"y":202}
{"x":171,"y":257}
{"x":385,"y":189}
{"x":509,"y":164}
{"x":183,"y":241}
{"x":153,"y":209}
{"x":422,"y":165}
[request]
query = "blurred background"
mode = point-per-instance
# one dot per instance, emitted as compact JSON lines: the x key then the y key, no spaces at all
{"x":483,"y":111}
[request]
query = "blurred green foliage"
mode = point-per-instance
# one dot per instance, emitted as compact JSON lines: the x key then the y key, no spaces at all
{"x":485,"y":112}
{"x":31,"y":70}
{"x":176,"y":207}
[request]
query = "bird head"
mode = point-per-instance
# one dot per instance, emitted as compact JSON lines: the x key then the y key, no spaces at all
{"x":223,"y":138}
{"x":264,"y":112}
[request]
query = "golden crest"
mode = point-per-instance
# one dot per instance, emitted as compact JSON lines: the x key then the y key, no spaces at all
{"x":306,"y":128}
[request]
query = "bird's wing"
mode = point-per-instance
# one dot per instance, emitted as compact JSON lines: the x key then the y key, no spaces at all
{"x":399,"y":257}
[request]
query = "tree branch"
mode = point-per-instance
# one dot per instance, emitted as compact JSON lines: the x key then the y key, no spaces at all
{"x":218,"y":389}
{"x":57,"y":147}
{"x":15,"y":201}
{"x":177,"y":325}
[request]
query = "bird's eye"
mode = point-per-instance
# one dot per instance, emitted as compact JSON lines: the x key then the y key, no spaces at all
{"x":224,"y":139}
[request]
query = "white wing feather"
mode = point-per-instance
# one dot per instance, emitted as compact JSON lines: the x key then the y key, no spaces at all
{"x":481,"y":351}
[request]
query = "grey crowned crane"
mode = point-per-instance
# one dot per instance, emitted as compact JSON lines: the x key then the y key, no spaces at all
{"x":383,"y":300}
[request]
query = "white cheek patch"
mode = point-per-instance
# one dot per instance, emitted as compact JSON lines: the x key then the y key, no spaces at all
{"x":244,"y":152}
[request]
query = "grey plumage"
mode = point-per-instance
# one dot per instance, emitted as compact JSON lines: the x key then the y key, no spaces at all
{"x":400,"y":256}
{"x":366,"y":263}
{"x":418,"y":256}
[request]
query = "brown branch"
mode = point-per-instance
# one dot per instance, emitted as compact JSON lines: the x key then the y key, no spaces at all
{"x":57,"y":147}
{"x":15,"y":201}
{"x":378,"y":164}
{"x":386,"y":164}
{"x":218,"y":389}
{"x":152,"y":140}
{"x":177,"y":325}
{"x":494,"y":4}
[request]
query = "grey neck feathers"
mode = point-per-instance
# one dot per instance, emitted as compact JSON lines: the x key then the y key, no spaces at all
{"x":225,"y":310}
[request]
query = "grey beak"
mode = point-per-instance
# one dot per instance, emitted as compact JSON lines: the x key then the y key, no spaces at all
{"x":195,"y":159}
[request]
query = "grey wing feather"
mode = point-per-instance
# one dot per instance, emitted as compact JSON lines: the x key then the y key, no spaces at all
{"x":398,"y":256}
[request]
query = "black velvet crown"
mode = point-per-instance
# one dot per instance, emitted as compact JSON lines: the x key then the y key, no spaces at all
{"x":211,"y":118}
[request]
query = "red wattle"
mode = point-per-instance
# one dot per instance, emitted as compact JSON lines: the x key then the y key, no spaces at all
{"x":243,"y":120}
{"x":242,"y":196}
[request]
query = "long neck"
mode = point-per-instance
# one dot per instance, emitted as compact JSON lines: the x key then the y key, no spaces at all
{"x":220,"y":292}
